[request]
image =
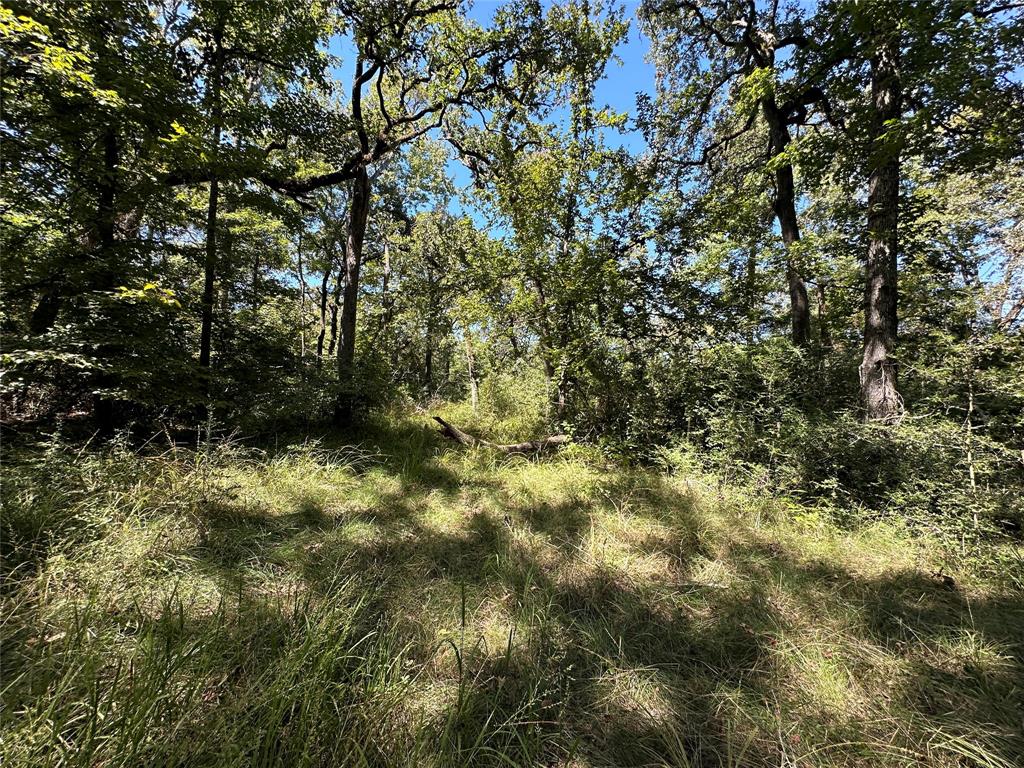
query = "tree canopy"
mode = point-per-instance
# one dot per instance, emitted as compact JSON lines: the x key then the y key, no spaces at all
{"x":269,"y":213}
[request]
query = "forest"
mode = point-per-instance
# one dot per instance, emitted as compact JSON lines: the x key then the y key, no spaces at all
{"x":512,"y":383}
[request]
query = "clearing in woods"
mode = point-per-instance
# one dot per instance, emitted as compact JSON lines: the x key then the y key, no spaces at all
{"x":401,"y":600}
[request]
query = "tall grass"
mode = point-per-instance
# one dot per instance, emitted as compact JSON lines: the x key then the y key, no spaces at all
{"x":399,"y":602}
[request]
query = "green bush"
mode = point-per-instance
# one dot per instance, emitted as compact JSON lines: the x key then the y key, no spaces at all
{"x":512,"y":406}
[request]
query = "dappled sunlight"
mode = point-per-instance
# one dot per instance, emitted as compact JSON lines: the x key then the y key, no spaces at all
{"x":594,"y":615}
{"x":515,"y":383}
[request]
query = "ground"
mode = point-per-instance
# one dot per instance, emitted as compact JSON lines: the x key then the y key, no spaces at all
{"x":390,"y":599}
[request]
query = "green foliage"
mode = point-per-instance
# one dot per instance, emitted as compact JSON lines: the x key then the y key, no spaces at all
{"x":725,"y":565}
{"x":514,"y":405}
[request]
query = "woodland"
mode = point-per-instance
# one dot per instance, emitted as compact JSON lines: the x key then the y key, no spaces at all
{"x":512,"y":383}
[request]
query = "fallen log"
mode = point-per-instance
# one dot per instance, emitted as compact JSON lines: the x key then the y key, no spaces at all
{"x":531,"y":446}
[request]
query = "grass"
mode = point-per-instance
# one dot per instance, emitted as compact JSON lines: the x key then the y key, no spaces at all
{"x":398,"y":601}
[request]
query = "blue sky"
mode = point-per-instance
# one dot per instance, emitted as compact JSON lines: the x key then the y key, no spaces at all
{"x":624,"y":78}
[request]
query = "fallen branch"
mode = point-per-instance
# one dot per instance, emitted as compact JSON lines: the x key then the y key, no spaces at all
{"x":532,"y":446}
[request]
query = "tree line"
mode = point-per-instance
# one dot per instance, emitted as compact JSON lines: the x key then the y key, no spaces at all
{"x":247,"y":211}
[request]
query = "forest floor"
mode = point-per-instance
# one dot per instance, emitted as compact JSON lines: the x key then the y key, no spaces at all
{"x":403,"y":601}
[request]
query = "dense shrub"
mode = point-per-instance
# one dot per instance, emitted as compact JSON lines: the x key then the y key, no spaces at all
{"x":786,"y":421}
{"x":513,"y":405}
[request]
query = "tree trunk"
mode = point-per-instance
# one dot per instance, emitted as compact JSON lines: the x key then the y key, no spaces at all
{"x":513,"y":340}
{"x":332,"y":343}
{"x":474,"y":386}
{"x":359,"y":211}
{"x":302,"y":302}
{"x":563,"y":385}
{"x":209,"y":276}
{"x":784,"y":206}
{"x":531,"y":446}
{"x":210,"y":265}
{"x":323,"y":314}
{"x":339,"y":284}
{"x":879,"y":392}
{"x":44,"y":315}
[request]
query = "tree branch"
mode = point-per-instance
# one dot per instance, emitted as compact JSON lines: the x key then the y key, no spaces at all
{"x":452,"y":432}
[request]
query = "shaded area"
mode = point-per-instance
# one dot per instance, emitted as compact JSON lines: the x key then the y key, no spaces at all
{"x":435,"y":607}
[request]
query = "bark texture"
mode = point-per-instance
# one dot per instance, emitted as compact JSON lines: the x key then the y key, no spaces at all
{"x":784,"y":207}
{"x":359,"y":212}
{"x":878,"y":370}
{"x":323,"y":313}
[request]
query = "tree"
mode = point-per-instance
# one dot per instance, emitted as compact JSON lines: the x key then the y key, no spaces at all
{"x":88,"y":89}
{"x":550,"y":186}
{"x":250,"y":58}
{"x":878,"y":369}
{"x":723,"y":63}
{"x":938,"y":91}
{"x":423,"y":62}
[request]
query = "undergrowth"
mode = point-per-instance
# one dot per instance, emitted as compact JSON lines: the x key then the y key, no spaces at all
{"x":399,"y":601}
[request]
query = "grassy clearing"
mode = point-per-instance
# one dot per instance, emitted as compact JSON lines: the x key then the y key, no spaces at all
{"x":406,"y":603}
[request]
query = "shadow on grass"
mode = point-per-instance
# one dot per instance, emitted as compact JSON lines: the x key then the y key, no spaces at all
{"x":541,"y":652}
{"x":640,"y":671}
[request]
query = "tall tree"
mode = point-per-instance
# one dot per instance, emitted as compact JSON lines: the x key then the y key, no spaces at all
{"x":878,"y":369}
{"x":551,"y":185}
{"x":416,"y":64}
{"x":724,"y":62}
{"x":930,"y":83}
{"x":87,"y":90}
{"x":214,"y":106}
{"x":250,"y":59}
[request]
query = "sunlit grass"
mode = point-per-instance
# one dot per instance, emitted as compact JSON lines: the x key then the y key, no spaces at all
{"x":403,"y":602}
